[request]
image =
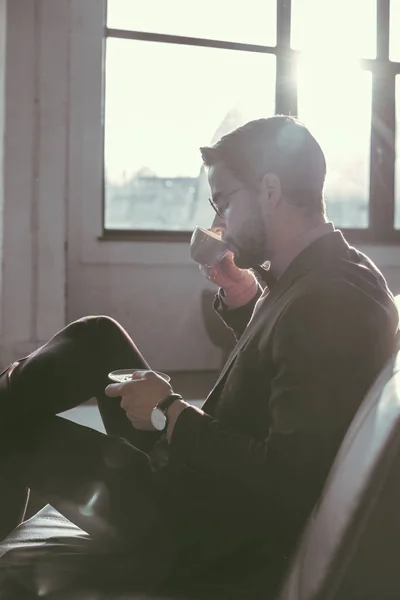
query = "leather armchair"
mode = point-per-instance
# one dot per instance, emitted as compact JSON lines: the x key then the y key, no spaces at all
{"x":351,"y":546}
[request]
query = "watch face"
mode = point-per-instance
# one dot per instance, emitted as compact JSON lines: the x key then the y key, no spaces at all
{"x":158,"y":419}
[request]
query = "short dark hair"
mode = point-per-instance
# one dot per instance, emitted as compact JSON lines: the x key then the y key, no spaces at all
{"x":281,"y":145}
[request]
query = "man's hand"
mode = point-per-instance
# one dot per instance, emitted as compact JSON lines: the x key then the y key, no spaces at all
{"x":239,"y":285}
{"x":139,"y":396}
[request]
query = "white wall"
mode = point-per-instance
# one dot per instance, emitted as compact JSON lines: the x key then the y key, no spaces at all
{"x":55,"y":268}
{"x":33,"y":270}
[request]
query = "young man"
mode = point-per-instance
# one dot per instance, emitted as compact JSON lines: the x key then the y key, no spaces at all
{"x":227,"y":489}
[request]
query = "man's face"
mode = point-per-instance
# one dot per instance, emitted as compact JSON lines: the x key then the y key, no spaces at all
{"x":242,"y":217}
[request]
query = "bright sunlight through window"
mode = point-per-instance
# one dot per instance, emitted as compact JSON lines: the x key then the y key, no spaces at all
{"x":336,"y":105}
{"x":165,"y":96}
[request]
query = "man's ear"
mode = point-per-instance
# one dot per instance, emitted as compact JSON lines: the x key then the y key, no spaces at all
{"x":271,"y":186}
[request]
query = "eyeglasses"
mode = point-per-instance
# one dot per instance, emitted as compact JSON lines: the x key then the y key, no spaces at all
{"x":221,"y":211}
{"x":216,"y":208}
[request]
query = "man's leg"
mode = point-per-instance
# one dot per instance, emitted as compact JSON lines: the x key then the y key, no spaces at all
{"x":101,"y":483}
{"x":71,"y":368}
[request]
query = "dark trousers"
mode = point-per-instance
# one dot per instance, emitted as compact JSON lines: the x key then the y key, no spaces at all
{"x":102,"y":483}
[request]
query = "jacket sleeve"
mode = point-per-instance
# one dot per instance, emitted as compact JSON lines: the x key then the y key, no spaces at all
{"x":236,"y":319}
{"x":327,"y":349}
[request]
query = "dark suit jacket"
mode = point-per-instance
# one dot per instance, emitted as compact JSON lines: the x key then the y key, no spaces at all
{"x":257,"y":460}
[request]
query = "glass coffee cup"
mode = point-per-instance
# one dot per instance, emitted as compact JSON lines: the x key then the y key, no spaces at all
{"x":206,"y":246}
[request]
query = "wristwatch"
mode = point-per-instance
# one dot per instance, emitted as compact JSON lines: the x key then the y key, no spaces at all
{"x":159,"y":417}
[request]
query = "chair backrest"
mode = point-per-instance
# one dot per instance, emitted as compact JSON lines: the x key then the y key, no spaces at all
{"x":350,"y":549}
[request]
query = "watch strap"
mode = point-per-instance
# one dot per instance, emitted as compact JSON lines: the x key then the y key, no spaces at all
{"x":166,"y":402}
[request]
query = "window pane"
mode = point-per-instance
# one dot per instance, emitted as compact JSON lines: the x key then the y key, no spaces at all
{"x":335,"y":103}
{"x":164,"y":101}
{"x":394,"y":49}
{"x":252,"y":22}
{"x":333,"y":27}
{"x":397,"y":166}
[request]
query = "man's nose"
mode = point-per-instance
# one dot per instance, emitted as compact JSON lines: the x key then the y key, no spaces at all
{"x":218,"y":224}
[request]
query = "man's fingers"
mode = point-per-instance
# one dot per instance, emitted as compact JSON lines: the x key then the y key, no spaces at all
{"x":117,"y":389}
{"x":209,"y":272}
{"x":113,"y":390}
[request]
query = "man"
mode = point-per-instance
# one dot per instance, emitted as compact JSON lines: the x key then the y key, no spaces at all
{"x":229,"y":487}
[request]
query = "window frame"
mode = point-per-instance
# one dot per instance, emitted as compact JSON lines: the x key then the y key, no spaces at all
{"x":381,"y":205}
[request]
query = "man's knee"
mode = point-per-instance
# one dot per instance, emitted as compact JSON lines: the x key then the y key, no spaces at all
{"x":100,"y":321}
{"x":104,"y":338}
{"x":96,"y":324}
{"x":104,"y":329}
{"x":95,"y":330}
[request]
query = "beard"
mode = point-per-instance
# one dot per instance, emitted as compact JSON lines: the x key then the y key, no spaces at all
{"x":249,"y":245}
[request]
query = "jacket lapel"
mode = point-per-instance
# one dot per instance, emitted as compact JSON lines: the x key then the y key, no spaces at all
{"x":330,"y":244}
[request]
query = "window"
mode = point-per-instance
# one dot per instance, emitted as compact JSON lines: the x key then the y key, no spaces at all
{"x":253,"y":22}
{"x":164,"y":98}
{"x":160,"y":109}
{"x":180,"y":75}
